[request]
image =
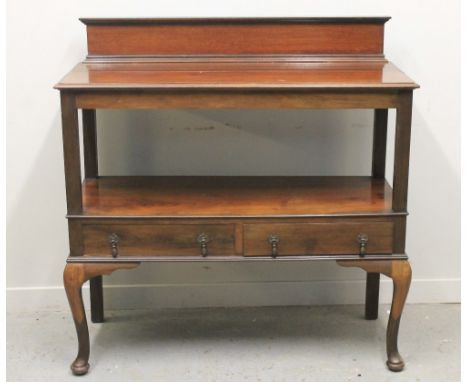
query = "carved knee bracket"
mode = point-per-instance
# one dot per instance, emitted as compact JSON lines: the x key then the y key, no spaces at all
{"x":74,"y":276}
{"x":400,"y":272}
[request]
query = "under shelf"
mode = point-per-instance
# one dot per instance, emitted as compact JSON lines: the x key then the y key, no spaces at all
{"x":226,"y":196}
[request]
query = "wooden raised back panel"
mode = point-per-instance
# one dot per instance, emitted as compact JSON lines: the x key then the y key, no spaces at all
{"x":239,"y":54}
{"x":269,"y":36}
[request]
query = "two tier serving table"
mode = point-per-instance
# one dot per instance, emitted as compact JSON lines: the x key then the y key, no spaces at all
{"x":120,"y":222}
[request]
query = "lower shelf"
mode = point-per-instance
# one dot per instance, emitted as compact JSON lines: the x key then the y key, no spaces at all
{"x":230,"y":218}
{"x":221,"y":196}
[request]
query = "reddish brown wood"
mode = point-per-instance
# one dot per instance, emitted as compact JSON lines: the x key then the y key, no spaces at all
{"x":90,"y":144}
{"x":71,"y":152}
{"x":400,"y":234}
{"x":282,"y":74}
{"x":90,"y":157}
{"x":75,"y":237}
{"x":158,"y":239}
{"x":296,"y":239}
{"x":400,"y":272}
{"x":230,"y":99}
{"x":74,"y":276}
{"x":402,"y":151}
{"x":239,"y":37}
{"x":235,"y":63}
{"x":237,"y":74}
{"x":234,"y":196}
{"x":379,"y":151}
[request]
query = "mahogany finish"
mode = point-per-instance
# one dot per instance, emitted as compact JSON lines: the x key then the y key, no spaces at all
{"x":74,"y":276}
{"x":158,"y":239}
{"x":239,"y":74}
{"x":165,"y":37}
{"x":117,"y":222}
{"x":317,"y":238}
{"x":235,"y":99}
{"x":400,"y":272}
{"x":91,"y":171}
{"x":231,"y":196}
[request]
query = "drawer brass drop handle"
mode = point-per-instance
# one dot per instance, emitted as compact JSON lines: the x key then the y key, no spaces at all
{"x":203,"y":240}
{"x":274,"y":241}
{"x":362,"y":239}
{"x":114,"y":241}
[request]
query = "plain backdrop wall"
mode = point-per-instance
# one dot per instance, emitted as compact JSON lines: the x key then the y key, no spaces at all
{"x":45,"y":39}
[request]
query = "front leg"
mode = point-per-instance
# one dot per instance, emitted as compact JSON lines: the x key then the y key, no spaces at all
{"x":74,"y":275}
{"x":400,"y":272}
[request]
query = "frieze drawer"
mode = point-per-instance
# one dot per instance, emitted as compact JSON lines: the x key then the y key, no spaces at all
{"x":122,"y":240}
{"x":300,"y":239}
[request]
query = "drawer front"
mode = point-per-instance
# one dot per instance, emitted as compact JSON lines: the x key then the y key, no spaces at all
{"x":300,"y":239}
{"x":122,"y":240}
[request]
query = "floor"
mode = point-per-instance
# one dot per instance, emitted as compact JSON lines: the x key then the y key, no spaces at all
{"x":332,"y":343}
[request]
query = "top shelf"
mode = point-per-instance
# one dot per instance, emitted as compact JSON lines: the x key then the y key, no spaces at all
{"x":238,"y":53}
{"x":235,"y":76}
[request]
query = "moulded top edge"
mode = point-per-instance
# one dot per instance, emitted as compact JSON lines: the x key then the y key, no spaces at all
{"x":237,"y":20}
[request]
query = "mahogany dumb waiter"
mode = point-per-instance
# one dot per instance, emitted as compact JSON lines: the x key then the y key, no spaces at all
{"x":118,"y":222}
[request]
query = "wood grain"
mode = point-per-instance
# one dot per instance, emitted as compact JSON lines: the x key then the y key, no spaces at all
{"x":182,"y":38}
{"x":240,"y":74}
{"x":234,"y":196}
{"x":302,"y":63}
{"x":230,"y":99}
{"x":158,"y":239}
{"x":317,"y":238}
{"x":71,"y":152}
{"x":402,"y":151}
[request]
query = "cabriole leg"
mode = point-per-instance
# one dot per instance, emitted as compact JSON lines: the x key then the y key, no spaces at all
{"x":401,"y":275}
{"x":74,"y":275}
{"x":400,"y":272}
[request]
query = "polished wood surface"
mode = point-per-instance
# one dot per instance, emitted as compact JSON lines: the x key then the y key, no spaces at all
{"x":238,"y":99}
{"x":71,"y":153}
{"x":402,"y":151}
{"x":182,"y":37}
{"x":236,"y":75}
{"x":158,"y":239}
{"x":301,"y":63}
{"x":90,"y":159}
{"x":235,"y":196}
{"x":245,"y":54}
{"x":317,"y":238}
{"x":74,"y":275}
{"x":400,"y":272}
